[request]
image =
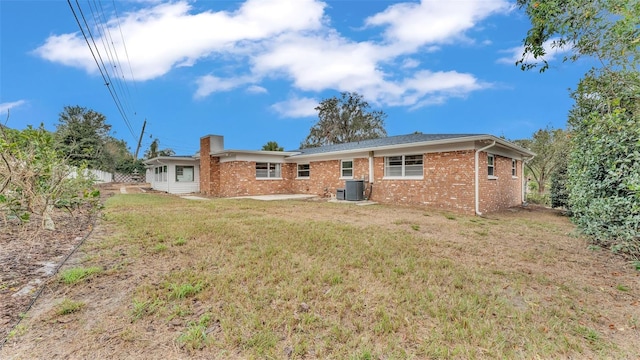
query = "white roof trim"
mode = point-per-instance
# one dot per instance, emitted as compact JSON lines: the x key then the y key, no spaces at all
{"x":419,"y":144}
{"x":254,"y":152}
{"x":159,"y":159}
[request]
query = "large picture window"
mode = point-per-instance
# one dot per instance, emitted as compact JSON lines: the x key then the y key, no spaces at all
{"x":346,"y":168}
{"x":184,"y":173}
{"x":304,"y":170}
{"x":411,"y":166}
{"x":265,"y":170}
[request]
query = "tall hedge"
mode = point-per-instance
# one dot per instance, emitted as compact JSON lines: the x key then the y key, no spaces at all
{"x":604,"y":168}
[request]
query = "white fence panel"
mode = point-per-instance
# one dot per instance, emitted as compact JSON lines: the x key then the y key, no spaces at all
{"x":98,"y":175}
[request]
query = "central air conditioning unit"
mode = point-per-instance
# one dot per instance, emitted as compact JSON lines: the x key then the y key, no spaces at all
{"x":354,"y":190}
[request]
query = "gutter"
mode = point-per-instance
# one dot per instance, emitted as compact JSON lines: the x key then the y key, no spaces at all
{"x":478,"y":177}
{"x":463,"y":139}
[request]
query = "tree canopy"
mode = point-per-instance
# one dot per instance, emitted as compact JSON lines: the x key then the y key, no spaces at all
{"x":606,"y":30}
{"x":272,"y":146}
{"x":550,"y":146}
{"x":81,"y":135}
{"x":345,"y":119}
{"x":155,"y":151}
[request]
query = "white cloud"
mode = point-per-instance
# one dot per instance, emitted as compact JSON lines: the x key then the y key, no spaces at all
{"x":255,"y":89}
{"x":296,"y":107}
{"x":5,"y":107}
{"x":167,"y":35}
{"x":551,"y":52}
{"x":433,"y":21}
{"x":410,"y":63}
{"x":336,"y":63}
{"x":315,"y":63}
{"x":209,"y":84}
{"x":293,"y":40}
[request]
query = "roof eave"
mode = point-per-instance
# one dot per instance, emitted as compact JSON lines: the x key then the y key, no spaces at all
{"x":158,"y":159}
{"x":421,"y":143}
{"x":253,"y":152}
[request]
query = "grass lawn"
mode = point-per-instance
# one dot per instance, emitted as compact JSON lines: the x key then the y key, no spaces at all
{"x":164,"y":277}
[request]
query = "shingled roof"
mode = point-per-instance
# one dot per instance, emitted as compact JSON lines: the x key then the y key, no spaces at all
{"x":380,"y":142}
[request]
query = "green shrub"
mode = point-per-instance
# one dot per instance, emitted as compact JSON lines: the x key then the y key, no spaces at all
{"x":604,"y":171}
{"x":540,"y":199}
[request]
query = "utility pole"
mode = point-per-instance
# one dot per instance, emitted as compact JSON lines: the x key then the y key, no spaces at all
{"x":144,"y":124}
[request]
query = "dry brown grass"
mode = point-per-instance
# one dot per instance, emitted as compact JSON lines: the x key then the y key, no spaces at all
{"x":249,"y":279}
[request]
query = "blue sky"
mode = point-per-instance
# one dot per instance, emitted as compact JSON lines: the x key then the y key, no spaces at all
{"x":254,"y":70}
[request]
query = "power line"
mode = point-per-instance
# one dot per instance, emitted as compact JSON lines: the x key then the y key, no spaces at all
{"x":109,"y":82}
{"x":112,"y":53}
{"x":124,"y":45}
{"x":106,"y":78}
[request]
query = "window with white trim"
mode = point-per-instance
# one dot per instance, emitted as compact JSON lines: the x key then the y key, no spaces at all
{"x":266,"y":170}
{"x":304,"y":170}
{"x":411,"y":166}
{"x":514,"y":168}
{"x":184,"y":173}
{"x":160,"y":174}
{"x":491,"y":159}
{"x":346,"y":168}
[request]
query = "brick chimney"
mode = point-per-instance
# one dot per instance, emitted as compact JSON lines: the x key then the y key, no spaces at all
{"x":210,"y":165}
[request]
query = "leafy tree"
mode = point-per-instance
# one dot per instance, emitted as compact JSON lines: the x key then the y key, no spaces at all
{"x":550,"y":146}
{"x":345,"y":120}
{"x":606,"y":30}
{"x":122,"y":160}
{"x":81,"y":135}
{"x":272,"y":146}
{"x":604,"y":165}
{"x":35,"y":177}
{"x":154,"y":151}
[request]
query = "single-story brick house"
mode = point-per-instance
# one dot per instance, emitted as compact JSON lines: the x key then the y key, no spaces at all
{"x":467,"y":173}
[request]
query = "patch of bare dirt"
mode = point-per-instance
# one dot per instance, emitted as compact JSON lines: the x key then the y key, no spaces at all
{"x":30,"y":256}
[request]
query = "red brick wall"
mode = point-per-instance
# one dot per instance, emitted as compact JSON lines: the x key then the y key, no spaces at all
{"x":447,"y":184}
{"x":502,"y":192}
{"x":324,"y":176}
{"x":238,"y":178}
{"x":448,"y":181}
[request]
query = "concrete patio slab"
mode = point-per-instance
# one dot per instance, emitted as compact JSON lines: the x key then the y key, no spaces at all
{"x":358,"y":203}
{"x":192,"y":197}
{"x":277,"y":197}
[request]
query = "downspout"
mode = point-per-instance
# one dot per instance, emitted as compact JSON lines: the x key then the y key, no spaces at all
{"x":478,"y":177}
{"x":368,"y":196}
{"x":524,"y":180}
{"x":371,"y":167}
